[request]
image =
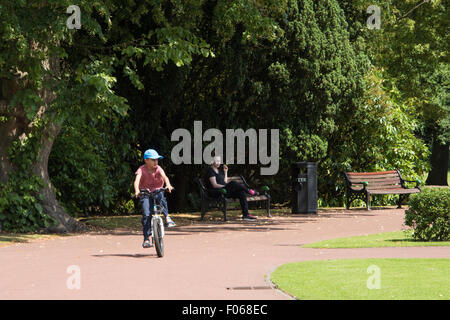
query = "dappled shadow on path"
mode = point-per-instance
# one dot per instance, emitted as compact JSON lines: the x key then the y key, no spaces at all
{"x":263,"y":224}
{"x":278,"y":222}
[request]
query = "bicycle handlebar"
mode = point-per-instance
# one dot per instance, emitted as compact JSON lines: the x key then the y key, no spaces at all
{"x":154,"y":192}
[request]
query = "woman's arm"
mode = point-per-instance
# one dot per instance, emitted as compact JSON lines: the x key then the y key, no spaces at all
{"x":214,"y":183}
{"x":225,"y":171}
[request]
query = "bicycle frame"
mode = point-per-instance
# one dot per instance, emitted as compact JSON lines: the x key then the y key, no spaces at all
{"x":157,"y":223}
{"x":156,"y":216}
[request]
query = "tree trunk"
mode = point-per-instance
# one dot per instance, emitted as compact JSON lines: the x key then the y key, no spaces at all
{"x":49,"y":203}
{"x":439,"y":164}
{"x":17,"y":127}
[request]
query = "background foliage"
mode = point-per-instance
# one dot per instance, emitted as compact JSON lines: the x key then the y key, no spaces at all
{"x":342,"y":95}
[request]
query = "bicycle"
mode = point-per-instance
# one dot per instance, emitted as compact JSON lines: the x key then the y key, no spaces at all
{"x":156,"y":222}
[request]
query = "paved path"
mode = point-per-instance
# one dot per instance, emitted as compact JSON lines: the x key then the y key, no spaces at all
{"x":202,"y":261}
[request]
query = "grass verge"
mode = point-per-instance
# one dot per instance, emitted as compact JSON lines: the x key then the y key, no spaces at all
{"x":385,"y":239}
{"x":366,"y":279}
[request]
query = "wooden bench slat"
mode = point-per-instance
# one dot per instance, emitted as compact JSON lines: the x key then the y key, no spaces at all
{"x":379,"y":182}
{"x":395,"y":191}
{"x":390,"y":175}
{"x":250,"y":198}
{"x":363,"y":178}
{"x":397,"y":187}
{"x":372,"y":173}
{"x":374,"y":181}
{"x":382,"y":184}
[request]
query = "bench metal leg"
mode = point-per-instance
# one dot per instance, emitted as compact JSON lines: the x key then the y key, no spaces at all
{"x":204,"y":209}
{"x":401,"y":197}
{"x":352,"y":196}
{"x":224,"y":210}
{"x":268,"y":207}
{"x":368,"y":201}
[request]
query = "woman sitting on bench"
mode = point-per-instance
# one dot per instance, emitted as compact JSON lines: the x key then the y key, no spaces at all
{"x":218,"y":179}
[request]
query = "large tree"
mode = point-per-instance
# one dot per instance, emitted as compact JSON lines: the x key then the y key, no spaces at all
{"x":312,"y":80}
{"x":411,"y":47}
{"x":300,"y":81}
{"x":50,"y":73}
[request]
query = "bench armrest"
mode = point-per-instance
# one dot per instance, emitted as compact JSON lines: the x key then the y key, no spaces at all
{"x":244,"y":181}
{"x":364,"y":183}
{"x":417,"y":181}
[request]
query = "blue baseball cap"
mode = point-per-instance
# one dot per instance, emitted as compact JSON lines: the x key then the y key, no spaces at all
{"x":152,"y":154}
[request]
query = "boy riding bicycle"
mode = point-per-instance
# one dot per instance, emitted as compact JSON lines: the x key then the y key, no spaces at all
{"x":151,"y":176}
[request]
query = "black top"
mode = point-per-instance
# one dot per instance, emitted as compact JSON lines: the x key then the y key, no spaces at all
{"x":220,"y":177}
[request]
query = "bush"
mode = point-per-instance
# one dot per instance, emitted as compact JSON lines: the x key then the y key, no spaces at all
{"x":429,"y":214}
{"x":90,"y":166}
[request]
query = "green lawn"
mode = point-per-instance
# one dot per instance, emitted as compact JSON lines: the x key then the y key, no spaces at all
{"x":350,"y":279}
{"x":386,"y":239}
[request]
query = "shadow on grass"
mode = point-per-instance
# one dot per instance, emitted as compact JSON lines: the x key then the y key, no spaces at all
{"x":410,"y":240}
{"x":8,"y":238}
{"x":13,"y":238}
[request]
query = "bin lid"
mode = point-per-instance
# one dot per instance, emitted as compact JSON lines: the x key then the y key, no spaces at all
{"x":304,"y":164}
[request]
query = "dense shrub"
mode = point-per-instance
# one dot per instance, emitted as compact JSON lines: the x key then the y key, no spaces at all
{"x":20,"y":208}
{"x":90,"y":166}
{"x":429,"y":214}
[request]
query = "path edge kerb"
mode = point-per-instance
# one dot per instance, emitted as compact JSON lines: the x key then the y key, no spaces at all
{"x":274,"y":287}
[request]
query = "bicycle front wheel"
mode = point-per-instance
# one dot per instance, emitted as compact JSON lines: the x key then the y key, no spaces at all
{"x":158,"y":236}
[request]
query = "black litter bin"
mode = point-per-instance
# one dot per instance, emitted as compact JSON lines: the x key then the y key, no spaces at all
{"x":304,"y":187}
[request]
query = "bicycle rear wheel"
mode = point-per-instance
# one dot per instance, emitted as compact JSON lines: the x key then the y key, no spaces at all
{"x":158,"y":236}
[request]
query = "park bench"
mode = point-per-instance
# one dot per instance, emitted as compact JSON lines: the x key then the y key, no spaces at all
{"x":221,"y":200}
{"x":361,"y":185}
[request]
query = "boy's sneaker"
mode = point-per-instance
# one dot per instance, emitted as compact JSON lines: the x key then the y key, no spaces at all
{"x":170,"y":223}
{"x":248,"y":217}
{"x":147,"y":244}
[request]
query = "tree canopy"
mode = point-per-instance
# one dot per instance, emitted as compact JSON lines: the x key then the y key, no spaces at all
{"x":79,"y":106}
